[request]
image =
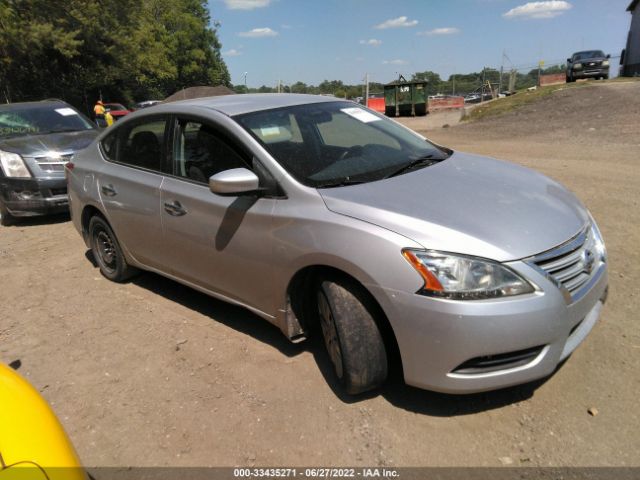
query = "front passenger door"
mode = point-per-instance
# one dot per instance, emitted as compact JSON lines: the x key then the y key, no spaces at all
{"x":218,"y":243}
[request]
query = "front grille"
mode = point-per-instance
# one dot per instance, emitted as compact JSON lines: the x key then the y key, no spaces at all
{"x":501,"y":361}
{"x":571,"y":265}
{"x":53,"y":164}
{"x":51,"y":167}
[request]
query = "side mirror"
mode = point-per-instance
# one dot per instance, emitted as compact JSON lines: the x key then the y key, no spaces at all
{"x":568,"y":60}
{"x":234,"y":182}
{"x":608,"y":55}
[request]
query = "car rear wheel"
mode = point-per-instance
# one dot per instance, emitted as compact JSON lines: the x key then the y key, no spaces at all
{"x":351,"y":336}
{"x":107,"y":252}
{"x":6,"y":218}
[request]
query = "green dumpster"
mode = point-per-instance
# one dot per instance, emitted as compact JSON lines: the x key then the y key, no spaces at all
{"x":404,"y":99}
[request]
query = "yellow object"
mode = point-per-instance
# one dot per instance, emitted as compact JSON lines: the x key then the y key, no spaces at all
{"x":33,"y":444}
{"x":109,"y":118}
{"x":99,"y":109}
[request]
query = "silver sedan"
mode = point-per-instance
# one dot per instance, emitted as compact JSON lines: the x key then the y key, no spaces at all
{"x":326,"y":218}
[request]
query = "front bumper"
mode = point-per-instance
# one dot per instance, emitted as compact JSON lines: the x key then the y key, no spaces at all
{"x":591,"y":72}
{"x":34,"y":196}
{"x":437,"y":337}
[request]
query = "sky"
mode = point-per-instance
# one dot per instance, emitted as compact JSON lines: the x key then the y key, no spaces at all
{"x":316,"y":40}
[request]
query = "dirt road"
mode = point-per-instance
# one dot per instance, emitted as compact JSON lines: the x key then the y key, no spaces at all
{"x":153,"y":373}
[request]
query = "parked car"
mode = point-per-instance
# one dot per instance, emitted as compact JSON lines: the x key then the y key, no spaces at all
{"x":33,"y":443}
{"x":587,"y":64}
{"x":116,"y":110}
{"x":36,"y":140}
{"x":320,"y":215}
{"x":146,"y":104}
{"x":477,"y":96}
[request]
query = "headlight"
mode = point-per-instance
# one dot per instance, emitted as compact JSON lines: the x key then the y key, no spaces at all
{"x":605,"y":63}
{"x":577,"y":66}
{"x":464,"y":278}
{"x":598,"y":241}
{"x":13,"y":165}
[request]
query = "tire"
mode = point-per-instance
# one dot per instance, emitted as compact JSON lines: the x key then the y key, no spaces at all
{"x":352,"y":338}
{"x":605,"y":77}
{"x":107,"y":252}
{"x":6,"y":218}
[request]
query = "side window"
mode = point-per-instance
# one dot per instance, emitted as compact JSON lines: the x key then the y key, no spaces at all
{"x":142,"y":144}
{"x":200,"y":152}
{"x":110,"y":146}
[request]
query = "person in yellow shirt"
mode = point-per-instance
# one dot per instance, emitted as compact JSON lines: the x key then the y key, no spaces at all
{"x":98,"y":113}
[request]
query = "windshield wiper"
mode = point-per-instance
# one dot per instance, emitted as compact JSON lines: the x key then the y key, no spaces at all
{"x":424,"y":161}
{"x":343,"y":182}
{"x":60,"y":130}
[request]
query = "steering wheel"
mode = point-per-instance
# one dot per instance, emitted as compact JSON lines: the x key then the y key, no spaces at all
{"x":354,"y":151}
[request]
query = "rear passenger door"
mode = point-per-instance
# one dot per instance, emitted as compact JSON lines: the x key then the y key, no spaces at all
{"x":129,"y":186}
{"x":218,"y":243}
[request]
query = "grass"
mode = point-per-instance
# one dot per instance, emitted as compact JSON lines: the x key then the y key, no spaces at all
{"x":522,"y":98}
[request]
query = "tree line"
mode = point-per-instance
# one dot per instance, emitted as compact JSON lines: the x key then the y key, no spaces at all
{"x":458,"y":84}
{"x":122,"y":50}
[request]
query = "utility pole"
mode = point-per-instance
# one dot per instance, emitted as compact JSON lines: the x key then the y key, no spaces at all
{"x":366,"y":90}
{"x":453,"y":77}
{"x":245,"y":82}
{"x":501,"y":72}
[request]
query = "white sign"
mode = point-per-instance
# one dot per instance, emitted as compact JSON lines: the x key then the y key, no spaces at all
{"x":65,"y":112}
{"x":360,"y":114}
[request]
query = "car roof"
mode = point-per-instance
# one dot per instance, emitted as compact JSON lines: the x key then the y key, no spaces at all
{"x":252,"y":102}
{"x":26,"y":105}
{"x":589,"y":51}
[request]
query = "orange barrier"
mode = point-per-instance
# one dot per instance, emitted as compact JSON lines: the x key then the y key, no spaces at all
{"x":376,"y":104}
{"x":552,"y":79}
{"x":445,"y":103}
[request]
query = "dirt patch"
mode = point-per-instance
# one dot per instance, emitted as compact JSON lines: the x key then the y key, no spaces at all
{"x":153,"y":373}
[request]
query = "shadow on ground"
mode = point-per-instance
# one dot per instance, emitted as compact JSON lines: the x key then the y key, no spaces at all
{"x":395,"y":390}
{"x":21,"y":222}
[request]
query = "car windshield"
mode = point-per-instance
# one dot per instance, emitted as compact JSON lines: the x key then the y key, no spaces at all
{"x":40,"y":120}
{"x":587,"y":55}
{"x":339,"y":143}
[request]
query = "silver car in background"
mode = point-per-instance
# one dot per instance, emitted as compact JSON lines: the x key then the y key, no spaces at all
{"x":326,"y":218}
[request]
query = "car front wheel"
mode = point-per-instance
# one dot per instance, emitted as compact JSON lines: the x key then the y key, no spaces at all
{"x":351,"y":336}
{"x":107,"y":252}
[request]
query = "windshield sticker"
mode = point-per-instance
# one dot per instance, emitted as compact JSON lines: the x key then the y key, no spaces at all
{"x":65,"y":112}
{"x":18,"y":130}
{"x":360,"y":114}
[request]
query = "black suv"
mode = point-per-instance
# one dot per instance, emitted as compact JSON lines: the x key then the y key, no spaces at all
{"x":588,"y":64}
{"x":36,"y":140}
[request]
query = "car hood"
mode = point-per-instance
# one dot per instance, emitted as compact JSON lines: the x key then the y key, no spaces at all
{"x":37,"y":145}
{"x":468,"y":204}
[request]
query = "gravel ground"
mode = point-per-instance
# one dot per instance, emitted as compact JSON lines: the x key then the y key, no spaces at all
{"x":153,"y":373}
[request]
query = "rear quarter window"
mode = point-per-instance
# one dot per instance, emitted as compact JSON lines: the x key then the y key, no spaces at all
{"x":109,"y":146}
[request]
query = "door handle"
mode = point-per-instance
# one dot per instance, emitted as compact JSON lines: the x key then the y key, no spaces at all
{"x":108,"y":190}
{"x":175,"y":208}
